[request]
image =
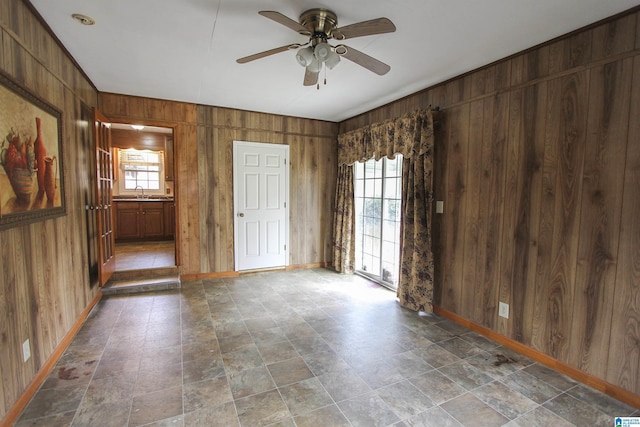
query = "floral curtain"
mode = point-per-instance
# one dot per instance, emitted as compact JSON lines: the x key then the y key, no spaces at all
{"x":412,"y":136}
{"x":343,"y":222}
{"x":415,"y":287}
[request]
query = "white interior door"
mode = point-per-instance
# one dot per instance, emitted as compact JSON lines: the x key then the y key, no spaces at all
{"x":261,"y":198}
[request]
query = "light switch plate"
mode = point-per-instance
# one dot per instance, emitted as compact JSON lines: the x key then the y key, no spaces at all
{"x":439,"y":206}
{"x":26,"y":350}
{"x":503,"y":310}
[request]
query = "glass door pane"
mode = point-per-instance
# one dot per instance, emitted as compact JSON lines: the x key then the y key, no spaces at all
{"x":378,"y":194}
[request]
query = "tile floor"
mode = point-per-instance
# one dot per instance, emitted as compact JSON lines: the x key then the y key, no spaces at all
{"x":142,"y":255}
{"x":301,"y":348}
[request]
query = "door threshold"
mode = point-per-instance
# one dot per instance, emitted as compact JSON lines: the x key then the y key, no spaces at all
{"x":156,"y":271}
{"x":262,"y":270}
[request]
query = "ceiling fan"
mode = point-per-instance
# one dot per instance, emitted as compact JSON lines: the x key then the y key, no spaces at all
{"x":321,"y":25}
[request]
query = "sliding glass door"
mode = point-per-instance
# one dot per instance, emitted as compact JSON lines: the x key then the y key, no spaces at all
{"x":378,"y":198}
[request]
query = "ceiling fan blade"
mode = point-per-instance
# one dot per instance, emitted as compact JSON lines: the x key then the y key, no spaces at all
{"x":255,"y":56}
{"x":286,"y":21}
{"x":364,"y":60}
{"x":310,"y":77}
{"x":364,"y":28}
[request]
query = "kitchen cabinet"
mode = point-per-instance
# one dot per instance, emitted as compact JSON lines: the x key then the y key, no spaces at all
{"x":168,"y":159}
{"x":127,"y":220}
{"x":144,"y":220}
{"x":152,"y":221}
{"x":169,"y":219}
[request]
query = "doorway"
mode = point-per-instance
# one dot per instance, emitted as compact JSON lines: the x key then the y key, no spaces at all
{"x":378,"y":202}
{"x":143,"y":197}
{"x":261,"y":200}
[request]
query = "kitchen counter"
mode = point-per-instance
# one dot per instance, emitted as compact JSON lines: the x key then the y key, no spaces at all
{"x":145,"y":199}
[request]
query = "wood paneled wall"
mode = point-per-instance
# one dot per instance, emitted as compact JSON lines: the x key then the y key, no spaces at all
{"x":204,"y":182}
{"x":44,"y":266}
{"x":313,"y":151}
{"x":538,"y":165}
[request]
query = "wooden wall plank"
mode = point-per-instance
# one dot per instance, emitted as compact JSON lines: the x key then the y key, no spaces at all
{"x":570,"y":52}
{"x":541,"y":301}
{"x":571,"y":138}
{"x":492,"y":200}
{"x":637,"y":14}
{"x":528,"y":193}
{"x":614,"y":37}
{"x":512,"y":155}
{"x":605,"y":151}
{"x":472,"y":164}
{"x":440,"y":184}
{"x":623,"y":368}
{"x":457,"y":132}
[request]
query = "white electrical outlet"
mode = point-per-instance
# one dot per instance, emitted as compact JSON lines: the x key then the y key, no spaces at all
{"x":26,"y":350}
{"x":503,"y":310}
{"x":439,"y":207}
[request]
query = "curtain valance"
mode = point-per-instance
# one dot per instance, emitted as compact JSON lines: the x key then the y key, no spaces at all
{"x":409,"y":134}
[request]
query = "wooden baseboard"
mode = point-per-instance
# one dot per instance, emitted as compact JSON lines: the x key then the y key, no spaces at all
{"x":306,"y":266}
{"x":215,"y":275}
{"x":14,"y":412}
{"x":578,"y":375}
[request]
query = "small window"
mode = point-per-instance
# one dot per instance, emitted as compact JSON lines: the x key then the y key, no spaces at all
{"x":141,"y":169}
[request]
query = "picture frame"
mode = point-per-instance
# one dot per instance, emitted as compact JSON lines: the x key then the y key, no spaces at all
{"x":31,"y":157}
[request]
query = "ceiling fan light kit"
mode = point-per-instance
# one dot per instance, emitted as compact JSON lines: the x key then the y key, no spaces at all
{"x":305,"y":56}
{"x":321,"y":25}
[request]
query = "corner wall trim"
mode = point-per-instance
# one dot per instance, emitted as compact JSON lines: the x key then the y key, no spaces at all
{"x":578,"y":375}
{"x":14,"y":412}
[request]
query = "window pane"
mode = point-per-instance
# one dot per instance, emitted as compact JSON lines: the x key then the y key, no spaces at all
{"x":390,"y":188}
{"x":375,"y":266}
{"x":389,"y":230}
{"x":369,"y":188}
{"x":378,"y":166}
{"x":369,"y":169}
{"x":359,"y":187}
{"x":378,"y":188}
{"x":394,"y":167}
{"x":371,"y":226}
{"x":392,"y":210}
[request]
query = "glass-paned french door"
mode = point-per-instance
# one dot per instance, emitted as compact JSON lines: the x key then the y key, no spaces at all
{"x":378,"y":202}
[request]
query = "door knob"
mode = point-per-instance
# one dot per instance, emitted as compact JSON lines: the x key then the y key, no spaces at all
{"x":241,"y":215}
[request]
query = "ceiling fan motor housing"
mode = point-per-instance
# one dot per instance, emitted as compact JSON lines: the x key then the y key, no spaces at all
{"x":320,"y":22}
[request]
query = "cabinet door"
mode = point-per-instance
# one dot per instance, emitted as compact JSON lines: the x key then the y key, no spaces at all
{"x":152,"y":220}
{"x":127,"y":221}
{"x":169,"y":220}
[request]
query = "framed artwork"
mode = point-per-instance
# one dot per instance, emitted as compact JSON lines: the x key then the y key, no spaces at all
{"x":31,"y":168}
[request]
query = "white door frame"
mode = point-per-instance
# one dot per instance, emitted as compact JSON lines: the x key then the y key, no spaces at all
{"x":236,"y":207}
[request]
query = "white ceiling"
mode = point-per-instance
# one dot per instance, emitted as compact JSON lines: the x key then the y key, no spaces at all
{"x":185,"y":50}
